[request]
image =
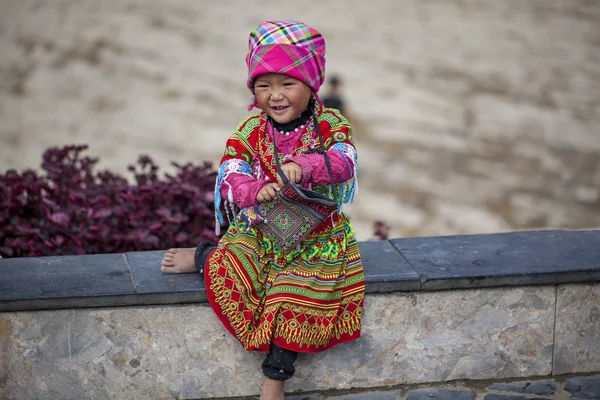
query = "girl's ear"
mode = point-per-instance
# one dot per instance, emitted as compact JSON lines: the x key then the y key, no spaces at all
{"x":254,"y":102}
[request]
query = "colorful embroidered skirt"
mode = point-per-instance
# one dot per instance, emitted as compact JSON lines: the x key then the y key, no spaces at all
{"x":307,"y":301}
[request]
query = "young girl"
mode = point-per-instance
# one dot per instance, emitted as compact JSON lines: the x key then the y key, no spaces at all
{"x":310,"y":299}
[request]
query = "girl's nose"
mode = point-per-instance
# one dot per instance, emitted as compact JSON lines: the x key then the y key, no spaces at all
{"x":276,"y":95}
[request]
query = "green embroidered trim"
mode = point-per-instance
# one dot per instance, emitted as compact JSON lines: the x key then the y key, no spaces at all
{"x":333,"y":120}
{"x":243,"y":132}
{"x":244,"y":129}
{"x":354,"y":280}
{"x":336,"y":294}
{"x":343,"y":120}
{"x":258,"y":288}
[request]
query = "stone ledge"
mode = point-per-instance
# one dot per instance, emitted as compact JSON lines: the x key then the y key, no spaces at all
{"x":410,"y":265}
{"x":503,"y":259}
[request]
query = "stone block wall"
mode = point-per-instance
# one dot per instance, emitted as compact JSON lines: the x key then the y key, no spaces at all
{"x":182,"y":352}
{"x":470,"y":116}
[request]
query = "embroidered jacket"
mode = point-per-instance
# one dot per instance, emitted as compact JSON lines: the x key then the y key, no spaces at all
{"x":248,"y":163}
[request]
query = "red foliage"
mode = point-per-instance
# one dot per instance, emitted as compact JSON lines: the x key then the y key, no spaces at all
{"x":71,"y":209}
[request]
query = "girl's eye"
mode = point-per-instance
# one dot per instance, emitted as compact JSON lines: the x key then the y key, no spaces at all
{"x":289,"y":84}
{"x":262,"y":86}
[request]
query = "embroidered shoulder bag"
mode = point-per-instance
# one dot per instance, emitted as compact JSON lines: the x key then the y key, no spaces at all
{"x":297,"y":211}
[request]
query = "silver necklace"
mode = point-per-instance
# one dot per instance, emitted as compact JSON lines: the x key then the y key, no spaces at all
{"x":284,"y":133}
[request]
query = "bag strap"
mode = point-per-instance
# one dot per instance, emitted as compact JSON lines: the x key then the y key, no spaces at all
{"x":320,"y":150}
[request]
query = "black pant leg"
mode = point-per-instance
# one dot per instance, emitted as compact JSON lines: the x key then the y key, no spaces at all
{"x":279,"y":363}
{"x":201,"y":254}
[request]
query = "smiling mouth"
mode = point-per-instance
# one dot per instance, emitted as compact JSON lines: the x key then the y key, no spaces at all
{"x":279,"y":108}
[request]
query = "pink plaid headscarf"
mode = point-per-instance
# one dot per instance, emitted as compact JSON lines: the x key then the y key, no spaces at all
{"x":287,"y":47}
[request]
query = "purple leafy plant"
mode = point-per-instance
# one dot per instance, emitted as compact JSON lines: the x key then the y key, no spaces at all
{"x":71,"y":209}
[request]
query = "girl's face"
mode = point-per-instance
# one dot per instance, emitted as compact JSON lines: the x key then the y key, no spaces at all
{"x":283,"y":98}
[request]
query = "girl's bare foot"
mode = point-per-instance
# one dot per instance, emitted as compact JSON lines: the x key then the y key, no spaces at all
{"x":178,"y":261}
{"x":272,"y":390}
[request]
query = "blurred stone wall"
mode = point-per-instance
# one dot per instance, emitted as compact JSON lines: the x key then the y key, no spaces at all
{"x":470,"y":116}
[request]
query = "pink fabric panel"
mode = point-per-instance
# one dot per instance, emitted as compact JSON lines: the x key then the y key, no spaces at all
{"x":314,"y":168}
{"x":244,"y":189}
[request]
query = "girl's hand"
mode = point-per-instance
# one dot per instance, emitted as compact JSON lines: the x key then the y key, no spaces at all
{"x":292,"y":171}
{"x":268,"y":192}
